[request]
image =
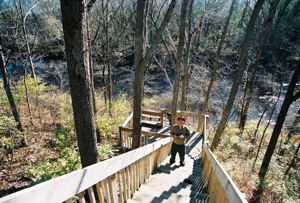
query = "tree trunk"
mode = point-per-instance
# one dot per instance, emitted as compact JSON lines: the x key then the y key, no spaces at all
{"x":138,"y":73}
{"x":266,"y":127}
{"x":107,"y":77}
{"x":216,"y":67}
{"x":27,"y":97}
{"x":239,"y":74}
{"x":74,"y":20}
{"x":290,"y":97}
{"x":141,"y":60}
{"x":293,"y":160}
{"x":25,"y":36}
{"x":241,"y":22}
{"x":9,"y":93}
{"x":251,"y":84}
{"x":178,"y":63}
{"x":185,"y":79}
{"x":89,"y":7}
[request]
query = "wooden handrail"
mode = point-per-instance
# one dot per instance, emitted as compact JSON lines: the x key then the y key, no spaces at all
{"x":155,"y":113}
{"x":220,"y":185}
{"x":127,"y":121}
{"x":147,"y":133}
{"x":115,"y":179}
{"x":221,"y":188}
{"x":125,"y":130}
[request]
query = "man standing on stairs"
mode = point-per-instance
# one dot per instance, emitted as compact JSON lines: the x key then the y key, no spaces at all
{"x":179,"y":132}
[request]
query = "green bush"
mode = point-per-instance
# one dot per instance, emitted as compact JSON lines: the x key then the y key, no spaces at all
{"x":47,"y":169}
{"x":105,"y":151}
{"x":10,"y":136}
{"x":33,"y":86}
{"x":3,"y":97}
{"x":149,"y":103}
{"x":105,"y":125}
{"x":108,"y":123}
{"x":65,"y":138}
{"x":120,"y":110}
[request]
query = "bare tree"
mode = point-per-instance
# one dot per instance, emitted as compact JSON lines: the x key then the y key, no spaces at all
{"x":247,"y":96}
{"x":266,"y":127}
{"x":185,"y":78}
{"x":74,"y":20}
{"x":216,"y":65}
{"x":246,"y":6}
{"x":8,"y":91}
{"x":141,"y":60}
{"x":178,"y":62}
{"x":23,"y":17}
{"x":293,"y":161}
{"x":239,"y":74}
{"x":291,"y":96}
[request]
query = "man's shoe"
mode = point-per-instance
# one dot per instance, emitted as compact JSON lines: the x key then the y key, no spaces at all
{"x":172,"y":162}
{"x":182,"y":163}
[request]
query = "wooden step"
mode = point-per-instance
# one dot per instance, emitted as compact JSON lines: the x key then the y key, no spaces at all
{"x":176,"y":183}
{"x":197,"y":181}
{"x":180,"y":190}
{"x":161,"y":191}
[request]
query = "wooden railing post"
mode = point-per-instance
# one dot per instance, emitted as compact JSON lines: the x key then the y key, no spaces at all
{"x":121,"y":139}
{"x":205,"y":127}
{"x":162,"y":117}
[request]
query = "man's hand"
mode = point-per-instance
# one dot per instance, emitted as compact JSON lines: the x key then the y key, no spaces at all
{"x":180,"y":136}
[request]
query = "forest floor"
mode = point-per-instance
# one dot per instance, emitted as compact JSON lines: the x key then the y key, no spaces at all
{"x":14,"y":164}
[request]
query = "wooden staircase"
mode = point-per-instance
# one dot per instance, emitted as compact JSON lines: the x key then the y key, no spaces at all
{"x":143,"y":174}
{"x":176,"y":183}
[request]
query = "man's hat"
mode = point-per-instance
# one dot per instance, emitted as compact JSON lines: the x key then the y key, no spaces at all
{"x":181,"y":118}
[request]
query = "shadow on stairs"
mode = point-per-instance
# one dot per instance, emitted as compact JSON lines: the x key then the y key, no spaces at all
{"x":176,"y":184}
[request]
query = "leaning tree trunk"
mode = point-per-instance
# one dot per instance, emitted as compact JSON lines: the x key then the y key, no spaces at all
{"x":290,"y":97}
{"x":266,"y":127}
{"x":9,"y":93}
{"x":251,"y":84}
{"x":216,"y":66}
{"x":74,"y":20}
{"x":246,"y":6}
{"x":178,"y":63}
{"x":293,"y":160}
{"x":141,"y":62}
{"x":239,"y":74}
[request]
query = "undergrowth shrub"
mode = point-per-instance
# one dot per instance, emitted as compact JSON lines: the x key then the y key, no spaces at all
{"x":105,"y":126}
{"x":237,"y":153}
{"x":36,"y":90}
{"x":108,"y":122}
{"x":34,"y":87}
{"x":3,"y":98}
{"x":105,"y":151}
{"x":120,"y":110}
{"x":65,"y":138}
{"x":149,"y":103}
{"x":10,"y":137}
{"x":67,"y":161}
{"x":47,"y":169}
